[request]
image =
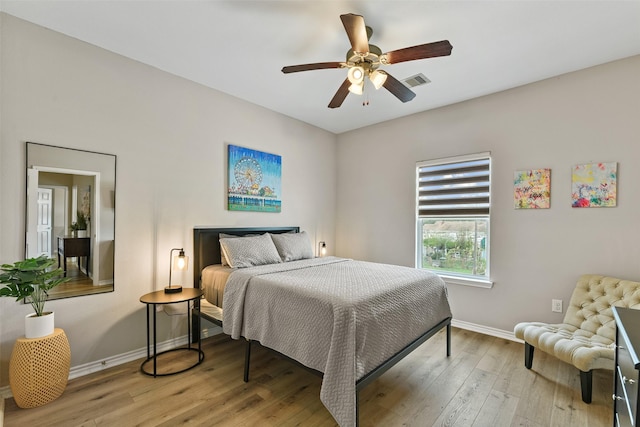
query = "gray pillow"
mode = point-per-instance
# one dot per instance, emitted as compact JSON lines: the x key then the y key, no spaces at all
{"x":223,"y":259}
{"x":293,"y":246}
{"x":242,"y":252}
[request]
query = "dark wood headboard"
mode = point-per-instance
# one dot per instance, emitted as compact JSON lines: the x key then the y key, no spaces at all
{"x":206,"y":244}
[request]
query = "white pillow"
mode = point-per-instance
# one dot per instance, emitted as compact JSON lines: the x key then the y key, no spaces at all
{"x":293,"y":246}
{"x":242,"y":252}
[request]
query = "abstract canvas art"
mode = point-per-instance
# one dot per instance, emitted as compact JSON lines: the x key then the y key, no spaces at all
{"x":254,"y":180}
{"x":532,"y":189}
{"x":594,"y":185}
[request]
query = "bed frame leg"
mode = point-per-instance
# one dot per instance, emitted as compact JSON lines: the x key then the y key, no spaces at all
{"x":357,"y":408}
{"x":247,"y":357}
{"x":448,"y":339}
{"x":195,"y":328}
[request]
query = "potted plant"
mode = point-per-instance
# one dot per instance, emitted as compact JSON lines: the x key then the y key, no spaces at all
{"x":74,"y":229}
{"x":32,"y":278}
{"x":80,"y":226}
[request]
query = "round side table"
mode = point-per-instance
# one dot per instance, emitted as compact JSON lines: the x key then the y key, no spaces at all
{"x":39,"y":369}
{"x":160,"y":297}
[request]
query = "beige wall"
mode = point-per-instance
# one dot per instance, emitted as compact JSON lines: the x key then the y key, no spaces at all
{"x":169,"y":135}
{"x":589,"y":115}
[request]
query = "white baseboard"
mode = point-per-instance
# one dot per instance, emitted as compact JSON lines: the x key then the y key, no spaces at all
{"x":119,"y":359}
{"x":5,"y":393}
{"x":486,"y":330}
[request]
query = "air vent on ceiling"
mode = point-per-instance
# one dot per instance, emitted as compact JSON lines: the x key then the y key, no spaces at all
{"x":417,"y":80}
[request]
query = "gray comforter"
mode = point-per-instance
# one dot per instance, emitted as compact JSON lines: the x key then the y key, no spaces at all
{"x":338,"y":316}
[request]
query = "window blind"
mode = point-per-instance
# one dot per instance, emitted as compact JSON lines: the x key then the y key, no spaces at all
{"x":454,"y":188}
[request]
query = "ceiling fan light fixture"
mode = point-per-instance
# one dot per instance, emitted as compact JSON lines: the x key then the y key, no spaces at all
{"x":378,"y":78}
{"x":356,"y":75}
{"x":363,"y":60}
{"x":357,"y":88}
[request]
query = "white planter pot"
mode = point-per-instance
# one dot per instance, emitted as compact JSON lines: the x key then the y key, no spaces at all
{"x":38,"y":326}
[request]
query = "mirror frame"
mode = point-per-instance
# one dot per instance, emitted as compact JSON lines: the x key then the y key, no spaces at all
{"x":86,"y":167}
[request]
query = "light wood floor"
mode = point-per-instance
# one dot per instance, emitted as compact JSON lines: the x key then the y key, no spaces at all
{"x":483,"y":383}
{"x":79,"y":284}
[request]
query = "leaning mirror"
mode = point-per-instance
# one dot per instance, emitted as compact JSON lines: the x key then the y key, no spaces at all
{"x":70,"y":215}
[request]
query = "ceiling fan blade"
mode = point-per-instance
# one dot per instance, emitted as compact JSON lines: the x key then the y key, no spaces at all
{"x":340,"y":95}
{"x":428,"y":50}
{"x":399,"y":90}
{"x":309,"y":67}
{"x":356,"y":31}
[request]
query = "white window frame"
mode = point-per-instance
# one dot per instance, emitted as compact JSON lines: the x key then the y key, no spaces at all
{"x":451,"y":277}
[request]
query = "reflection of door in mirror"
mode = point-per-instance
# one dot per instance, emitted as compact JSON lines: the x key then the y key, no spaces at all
{"x":44,"y":221}
{"x":70,"y":215}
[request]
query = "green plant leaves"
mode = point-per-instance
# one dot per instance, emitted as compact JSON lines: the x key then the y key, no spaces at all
{"x":32,"y":277}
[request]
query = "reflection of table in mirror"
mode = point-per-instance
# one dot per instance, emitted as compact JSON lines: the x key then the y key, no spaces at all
{"x":74,"y":247}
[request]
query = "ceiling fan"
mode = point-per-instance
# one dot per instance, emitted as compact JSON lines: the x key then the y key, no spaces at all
{"x":364,"y":59}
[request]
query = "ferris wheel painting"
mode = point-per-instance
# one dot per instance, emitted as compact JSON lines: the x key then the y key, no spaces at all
{"x":254,"y":180}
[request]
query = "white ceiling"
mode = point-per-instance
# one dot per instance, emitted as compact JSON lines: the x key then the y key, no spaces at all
{"x":239,"y":47}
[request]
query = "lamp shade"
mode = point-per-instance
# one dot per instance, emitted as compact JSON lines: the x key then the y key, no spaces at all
{"x":322,"y":249}
{"x":357,"y":89}
{"x":378,"y":78}
{"x":356,"y":75}
{"x":180,"y":262}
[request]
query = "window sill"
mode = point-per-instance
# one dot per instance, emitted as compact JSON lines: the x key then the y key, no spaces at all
{"x":466,"y":281}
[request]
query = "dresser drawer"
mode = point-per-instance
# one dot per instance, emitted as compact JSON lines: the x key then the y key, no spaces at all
{"x":628,"y":378}
{"x":622,"y":417}
{"x":625,"y":396}
{"x":626,"y":405}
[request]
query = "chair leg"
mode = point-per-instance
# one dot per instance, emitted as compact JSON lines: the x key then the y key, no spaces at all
{"x":586,"y":385}
{"x":528,"y":355}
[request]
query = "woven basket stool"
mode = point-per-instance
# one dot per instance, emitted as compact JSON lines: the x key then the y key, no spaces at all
{"x":39,"y":369}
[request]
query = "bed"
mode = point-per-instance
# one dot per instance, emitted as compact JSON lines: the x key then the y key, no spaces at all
{"x":352,"y":320}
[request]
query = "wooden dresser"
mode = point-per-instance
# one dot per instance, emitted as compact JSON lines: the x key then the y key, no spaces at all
{"x":625,"y":394}
{"x":74,"y":247}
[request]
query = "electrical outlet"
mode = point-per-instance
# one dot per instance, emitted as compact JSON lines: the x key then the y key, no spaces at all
{"x":556,"y":305}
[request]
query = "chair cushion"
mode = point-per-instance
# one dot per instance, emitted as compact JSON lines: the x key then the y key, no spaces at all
{"x":586,"y":337}
{"x":580,"y":348}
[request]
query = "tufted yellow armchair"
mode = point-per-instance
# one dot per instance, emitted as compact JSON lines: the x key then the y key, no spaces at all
{"x":586,"y":338}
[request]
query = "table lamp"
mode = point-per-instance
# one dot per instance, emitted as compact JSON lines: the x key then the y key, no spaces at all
{"x":322,"y":249}
{"x":180,"y":262}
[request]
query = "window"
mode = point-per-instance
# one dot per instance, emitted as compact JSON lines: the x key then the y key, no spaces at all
{"x":453,"y":201}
